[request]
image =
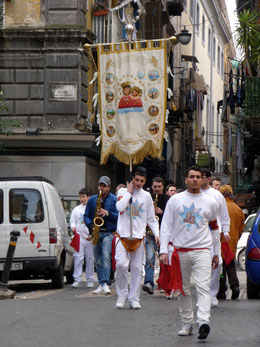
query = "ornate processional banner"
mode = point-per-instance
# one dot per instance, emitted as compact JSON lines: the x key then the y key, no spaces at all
{"x":132,"y":98}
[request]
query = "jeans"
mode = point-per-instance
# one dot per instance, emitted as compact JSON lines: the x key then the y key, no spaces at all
{"x":102,"y":255}
{"x":198,"y":261}
{"x":151,"y":248}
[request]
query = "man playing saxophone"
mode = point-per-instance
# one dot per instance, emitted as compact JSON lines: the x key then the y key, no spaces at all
{"x":160,"y":199}
{"x":101,"y":219}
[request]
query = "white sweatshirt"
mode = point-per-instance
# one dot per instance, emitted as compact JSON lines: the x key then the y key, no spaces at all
{"x":186,"y":222}
{"x":223,"y":216}
{"x":142,"y":213}
{"x":77,"y":221}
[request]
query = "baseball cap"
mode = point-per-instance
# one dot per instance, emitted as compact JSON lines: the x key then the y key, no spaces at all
{"x":105,"y":180}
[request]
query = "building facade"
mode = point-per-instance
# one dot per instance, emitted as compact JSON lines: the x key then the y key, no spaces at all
{"x":45,"y":74}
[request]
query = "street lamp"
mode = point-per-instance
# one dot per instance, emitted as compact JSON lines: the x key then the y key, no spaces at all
{"x":184,"y":36}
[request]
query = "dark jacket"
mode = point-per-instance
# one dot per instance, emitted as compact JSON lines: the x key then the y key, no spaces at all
{"x":109,"y":204}
{"x":162,"y":201}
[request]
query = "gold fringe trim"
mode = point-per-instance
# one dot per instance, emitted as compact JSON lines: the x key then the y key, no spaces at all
{"x":148,"y":149}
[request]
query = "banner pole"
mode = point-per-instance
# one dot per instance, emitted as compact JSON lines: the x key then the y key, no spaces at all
{"x":131,"y":199}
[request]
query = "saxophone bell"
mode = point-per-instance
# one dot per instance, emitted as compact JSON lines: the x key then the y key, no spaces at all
{"x":98,"y":221}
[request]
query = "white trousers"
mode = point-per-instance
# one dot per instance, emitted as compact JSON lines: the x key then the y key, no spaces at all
{"x":123,"y":258}
{"x":200,"y":262}
{"x":170,"y":251}
{"x":85,"y":251}
{"x":215,"y":276}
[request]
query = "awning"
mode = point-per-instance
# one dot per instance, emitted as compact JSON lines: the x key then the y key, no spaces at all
{"x":245,"y":200}
{"x":199,"y":83}
{"x":199,"y":144}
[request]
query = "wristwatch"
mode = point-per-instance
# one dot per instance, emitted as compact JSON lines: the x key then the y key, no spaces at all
{"x":107,"y":214}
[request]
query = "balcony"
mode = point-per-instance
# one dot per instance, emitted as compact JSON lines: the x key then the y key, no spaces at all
{"x":174,"y":7}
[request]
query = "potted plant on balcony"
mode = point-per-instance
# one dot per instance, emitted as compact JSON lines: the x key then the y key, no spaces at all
{"x":100,"y":9}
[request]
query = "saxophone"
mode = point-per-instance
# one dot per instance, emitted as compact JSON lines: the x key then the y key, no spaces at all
{"x":149,"y":231}
{"x":98,"y":221}
{"x":155,"y":205}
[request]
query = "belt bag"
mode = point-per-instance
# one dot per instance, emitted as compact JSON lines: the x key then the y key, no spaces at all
{"x":130,"y":245}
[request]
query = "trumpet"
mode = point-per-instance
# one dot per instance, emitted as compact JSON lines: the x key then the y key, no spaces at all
{"x":155,"y":202}
{"x":98,"y":221}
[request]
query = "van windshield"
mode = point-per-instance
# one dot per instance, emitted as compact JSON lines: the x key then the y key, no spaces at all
{"x":25,"y":206}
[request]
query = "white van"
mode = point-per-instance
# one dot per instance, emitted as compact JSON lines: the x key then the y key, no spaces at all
{"x":33,"y":206}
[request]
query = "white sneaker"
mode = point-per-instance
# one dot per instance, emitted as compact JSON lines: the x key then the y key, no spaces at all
{"x":76,"y":284}
{"x":169,"y":296}
{"x":135,"y":305}
{"x":90,"y":284}
{"x":214,"y":301}
{"x":186,"y":330}
{"x":98,"y":290}
{"x":120,"y":302}
{"x":105,"y":289}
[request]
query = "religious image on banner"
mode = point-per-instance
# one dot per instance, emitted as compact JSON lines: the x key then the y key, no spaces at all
{"x":132,"y":99}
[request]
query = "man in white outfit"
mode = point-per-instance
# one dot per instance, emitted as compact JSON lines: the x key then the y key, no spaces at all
{"x":190,"y":222}
{"x":224,"y":226}
{"x":136,"y":211}
{"x":85,"y":245}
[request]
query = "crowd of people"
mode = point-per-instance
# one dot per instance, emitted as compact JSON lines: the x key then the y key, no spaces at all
{"x":192,"y":231}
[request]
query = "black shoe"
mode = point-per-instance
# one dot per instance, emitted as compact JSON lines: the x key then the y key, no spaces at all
{"x":147,"y":287}
{"x":204,"y":330}
{"x":235,"y":293}
{"x":221,"y":296}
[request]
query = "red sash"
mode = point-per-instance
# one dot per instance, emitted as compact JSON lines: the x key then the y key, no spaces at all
{"x":170,"y":278}
{"x":75,"y":242}
{"x":228,"y":255}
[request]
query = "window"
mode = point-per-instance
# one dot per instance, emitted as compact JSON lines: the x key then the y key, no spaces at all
{"x":203,"y":29}
{"x":218,"y":129}
{"x":208,"y":124}
{"x":212,"y":124}
{"x":222,"y":65}
{"x":1,"y":206}
{"x":198,"y":18}
{"x":209,"y":41}
{"x":25,"y":206}
{"x":218,"y":59}
{"x":2,"y":13}
{"x":214,"y":50}
{"x":192,"y":9}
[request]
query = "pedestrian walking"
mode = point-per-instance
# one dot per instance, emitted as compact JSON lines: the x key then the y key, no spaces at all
{"x":159,"y":199}
{"x":136,"y":210}
{"x":85,"y":245}
{"x":237,"y":221}
{"x":190,"y":221}
{"x":223,"y":224}
{"x":171,"y":189}
{"x":103,"y":207}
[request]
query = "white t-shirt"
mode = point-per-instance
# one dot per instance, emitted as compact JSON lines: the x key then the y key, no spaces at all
{"x":142,"y":213}
{"x":186,"y":222}
{"x":223,"y":216}
{"x":77,"y":221}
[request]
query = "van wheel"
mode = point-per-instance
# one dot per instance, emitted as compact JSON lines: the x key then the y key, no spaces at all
{"x":253,"y":290}
{"x":58,"y":277}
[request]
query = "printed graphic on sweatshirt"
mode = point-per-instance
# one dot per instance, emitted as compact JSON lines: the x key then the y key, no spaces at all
{"x":137,"y":210}
{"x":81,"y":219}
{"x":191,"y":216}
